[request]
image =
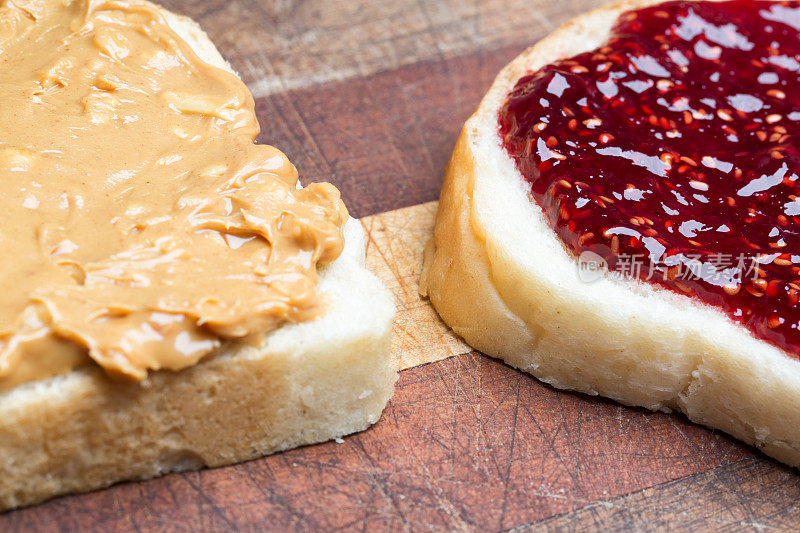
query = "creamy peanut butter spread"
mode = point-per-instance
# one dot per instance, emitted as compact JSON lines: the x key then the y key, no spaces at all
{"x":140,"y":225}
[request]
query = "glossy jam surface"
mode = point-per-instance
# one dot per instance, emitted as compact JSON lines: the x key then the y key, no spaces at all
{"x":672,"y":152}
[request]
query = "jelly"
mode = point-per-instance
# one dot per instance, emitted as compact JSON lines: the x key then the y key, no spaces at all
{"x":672,"y":152}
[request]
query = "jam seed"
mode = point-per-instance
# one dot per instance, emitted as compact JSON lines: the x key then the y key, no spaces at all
{"x":774,"y":321}
{"x":732,"y":288}
{"x":672,"y":273}
{"x":754,"y":292}
{"x":664,"y":85}
{"x":793,"y":296}
{"x":683,"y":286}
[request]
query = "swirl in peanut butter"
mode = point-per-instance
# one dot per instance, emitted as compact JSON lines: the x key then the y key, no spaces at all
{"x":141,"y":226}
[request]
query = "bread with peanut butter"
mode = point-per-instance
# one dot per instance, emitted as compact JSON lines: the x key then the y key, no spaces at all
{"x":640,"y":133}
{"x":172,"y":297}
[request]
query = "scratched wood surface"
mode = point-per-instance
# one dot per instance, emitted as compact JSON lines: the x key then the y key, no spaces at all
{"x":370,"y":94}
{"x":395,"y":241}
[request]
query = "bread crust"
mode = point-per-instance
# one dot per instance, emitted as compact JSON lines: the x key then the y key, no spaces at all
{"x":518,"y":297}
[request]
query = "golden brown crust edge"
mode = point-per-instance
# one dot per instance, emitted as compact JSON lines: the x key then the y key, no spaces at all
{"x":456,"y":274}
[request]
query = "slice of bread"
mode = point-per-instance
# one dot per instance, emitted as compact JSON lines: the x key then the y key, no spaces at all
{"x":310,"y":382}
{"x":517,"y":295}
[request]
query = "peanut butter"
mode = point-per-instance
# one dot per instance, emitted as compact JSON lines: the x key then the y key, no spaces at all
{"x":140,"y":225}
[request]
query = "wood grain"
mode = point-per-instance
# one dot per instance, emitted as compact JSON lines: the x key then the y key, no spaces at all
{"x":289,"y":44}
{"x":740,"y":496}
{"x":383,"y":140}
{"x":395,"y":241}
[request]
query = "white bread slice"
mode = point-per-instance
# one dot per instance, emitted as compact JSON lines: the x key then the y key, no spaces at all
{"x":310,"y":382}
{"x":516,"y":294}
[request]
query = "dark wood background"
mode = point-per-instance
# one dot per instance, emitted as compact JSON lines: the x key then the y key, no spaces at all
{"x":371,"y":94}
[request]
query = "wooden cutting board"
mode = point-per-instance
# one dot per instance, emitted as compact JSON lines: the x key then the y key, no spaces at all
{"x":371,"y":94}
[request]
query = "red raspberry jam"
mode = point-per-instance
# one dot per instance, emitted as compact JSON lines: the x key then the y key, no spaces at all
{"x":672,"y":152}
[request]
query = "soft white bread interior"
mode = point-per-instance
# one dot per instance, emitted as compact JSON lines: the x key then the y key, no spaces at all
{"x":309,"y":382}
{"x":502,"y":279}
